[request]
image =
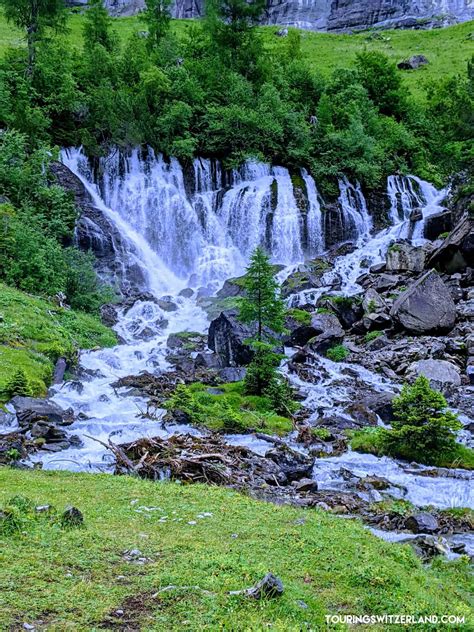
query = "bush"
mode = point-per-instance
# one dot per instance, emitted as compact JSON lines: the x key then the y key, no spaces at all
{"x":372,"y":335}
{"x":338,"y":353}
{"x":18,"y":384}
{"x":262,"y":370}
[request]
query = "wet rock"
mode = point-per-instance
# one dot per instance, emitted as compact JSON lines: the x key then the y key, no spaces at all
{"x":372,"y":301}
{"x":376,"y":321}
{"x":373,"y":482}
{"x":456,"y":252}
{"x":294,"y":465}
{"x":442,"y":375}
{"x":59,"y":371}
{"x":187,"y":292}
{"x":306,"y":485}
{"x":109,"y":315}
{"x":427,"y":546}
{"x":413,"y":63}
{"x":421,"y":523}
{"x":437,"y":224}
{"x":30,"y":410}
{"x":426,"y":306}
{"x":348,"y":311}
{"x":167,"y":304}
{"x":232,"y":287}
{"x":232,"y":374}
{"x":403,"y":257}
{"x":227,"y":338}
{"x":72,"y":517}
{"x":328,"y":332}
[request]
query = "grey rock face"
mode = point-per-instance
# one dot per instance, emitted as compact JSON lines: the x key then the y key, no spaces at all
{"x":328,"y":15}
{"x":403,"y":257}
{"x":227,"y":337}
{"x":426,"y":306}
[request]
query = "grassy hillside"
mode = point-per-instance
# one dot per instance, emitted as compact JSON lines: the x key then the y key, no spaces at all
{"x":447,"y":49}
{"x":34,"y":333}
{"x":211,"y":539}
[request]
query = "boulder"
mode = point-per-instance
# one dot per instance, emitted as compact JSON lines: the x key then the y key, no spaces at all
{"x":293,"y":465}
{"x":437,"y":224}
{"x":30,"y":410}
{"x":328,"y":332}
{"x":426,"y":306}
{"x":413,"y":63}
{"x":227,"y":337}
{"x":421,"y":522}
{"x":456,"y":252}
{"x":427,"y":546}
{"x":442,"y":374}
{"x":403,"y":257}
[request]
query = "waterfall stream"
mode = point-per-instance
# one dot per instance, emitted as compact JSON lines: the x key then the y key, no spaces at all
{"x":195,"y":228}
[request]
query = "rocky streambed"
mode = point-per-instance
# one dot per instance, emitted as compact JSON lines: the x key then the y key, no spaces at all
{"x":399,"y":303}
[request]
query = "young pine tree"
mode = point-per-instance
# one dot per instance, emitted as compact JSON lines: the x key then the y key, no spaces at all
{"x":98,"y":27}
{"x":262,"y":306}
{"x":18,"y":384}
{"x":157,"y":16}
{"x":424,"y":429}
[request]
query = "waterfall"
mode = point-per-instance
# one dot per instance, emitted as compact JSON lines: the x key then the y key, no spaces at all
{"x":202,"y":226}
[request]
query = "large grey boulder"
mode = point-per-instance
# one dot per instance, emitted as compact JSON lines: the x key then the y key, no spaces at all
{"x":328,"y":332}
{"x":228,"y":338}
{"x":442,"y":374}
{"x":422,"y":522}
{"x":403,"y":257}
{"x":426,"y":306}
{"x":413,"y":63}
{"x":456,"y":252}
{"x":30,"y":410}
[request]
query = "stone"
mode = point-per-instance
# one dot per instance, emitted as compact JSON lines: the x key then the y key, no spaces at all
{"x":292,"y":464}
{"x":30,"y":410}
{"x":328,"y":332}
{"x":59,"y":370}
{"x":373,"y":482}
{"x":187,"y":292}
{"x":442,"y":374}
{"x":413,"y":63}
{"x":422,"y":522}
{"x":426,"y":306}
{"x":306,"y":485}
{"x":227,"y":338}
{"x":269,"y":587}
{"x":232,"y":374}
{"x":404,"y":257}
{"x":427,"y":546}
{"x":72,"y":517}
{"x":456,"y":252}
{"x":437,"y":224}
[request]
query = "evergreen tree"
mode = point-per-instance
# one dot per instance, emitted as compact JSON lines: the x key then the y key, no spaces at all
{"x":97,"y":26}
{"x":18,"y":384}
{"x":423,"y":424}
{"x":262,"y":305}
{"x":157,"y":16}
{"x":33,"y":16}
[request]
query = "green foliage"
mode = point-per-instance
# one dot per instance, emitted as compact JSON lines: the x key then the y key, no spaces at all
{"x":338,"y":353}
{"x":262,"y":305}
{"x":157,"y":16}
{"x":17,"y":385}
{"x":372,"y":335}
{"x":300,"y":315}
{"x":98,"y":27}
{"x":34,"y":333}
{"x":232,"y":410}
{"x":423,"y":430}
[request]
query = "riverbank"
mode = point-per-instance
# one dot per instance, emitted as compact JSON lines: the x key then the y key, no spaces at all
{"x":197,"y":539}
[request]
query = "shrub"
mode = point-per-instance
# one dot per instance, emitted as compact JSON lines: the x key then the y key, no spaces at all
{"x":338,"y":353}
{"x":372,"y":335}
{"x":262,"y":370}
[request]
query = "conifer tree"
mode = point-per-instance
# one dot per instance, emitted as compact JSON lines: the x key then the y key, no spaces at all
{"x":157,"y":16}
{"x":262,"y":305}
{"x":98,"y":26}
{"x":18,"y":384}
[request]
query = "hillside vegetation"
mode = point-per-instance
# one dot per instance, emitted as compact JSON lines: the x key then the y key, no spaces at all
{"x":200,"y":542}
{"x":35,"y":332}
{"x":447,"y":49}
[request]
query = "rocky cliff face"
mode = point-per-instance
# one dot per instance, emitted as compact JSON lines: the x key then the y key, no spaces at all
{"x":331,"y":15}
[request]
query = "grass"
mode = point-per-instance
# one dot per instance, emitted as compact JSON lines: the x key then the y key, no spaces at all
{"x":338,"y":353}
{"x":447,"y":49}
{"x":229,"y":410}
{"x":371,"y":441}
{"x":35,"y":332}
{"x":75,"y":579}
{"x":299,"y":315}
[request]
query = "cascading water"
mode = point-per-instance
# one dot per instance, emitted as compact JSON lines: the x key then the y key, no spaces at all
{"x":198,"y":229}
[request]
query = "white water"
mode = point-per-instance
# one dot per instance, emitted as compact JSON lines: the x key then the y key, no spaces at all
{"x":197,"y":229}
